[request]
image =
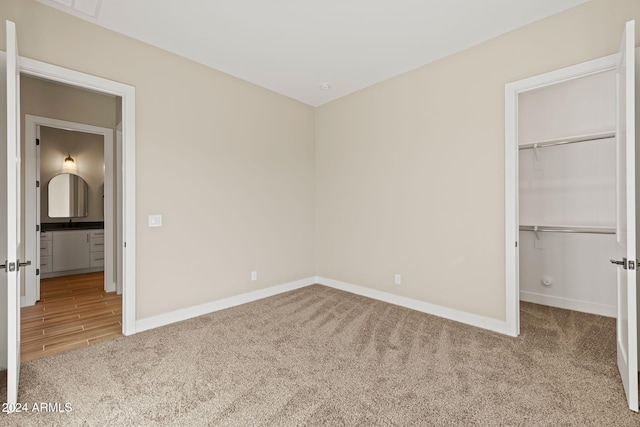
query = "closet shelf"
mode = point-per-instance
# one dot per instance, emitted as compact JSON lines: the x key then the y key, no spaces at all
{"x":568,"y":229}
{"x":572,"y":140}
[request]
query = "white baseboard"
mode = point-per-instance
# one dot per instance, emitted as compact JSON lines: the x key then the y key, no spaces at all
{"x":569,"y":304}
{"x":414,"y":304}
{"x":210,"y":307}
{"x":110,"y":287}
{"x":425,"y":307}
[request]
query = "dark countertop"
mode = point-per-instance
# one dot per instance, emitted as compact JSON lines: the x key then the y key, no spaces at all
{"x":54,"y":226}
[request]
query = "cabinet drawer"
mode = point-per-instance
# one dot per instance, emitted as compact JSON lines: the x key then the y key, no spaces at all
{"x":96,"y":233}
{"x":45,"y":248}
{"x":45,"y":235}
{"x":97,"y":259}
{"x":96,"y":244}
{"x":45,"y":264}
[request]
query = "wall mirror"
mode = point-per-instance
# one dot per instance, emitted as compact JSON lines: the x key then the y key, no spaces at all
{"x":68,"y":197}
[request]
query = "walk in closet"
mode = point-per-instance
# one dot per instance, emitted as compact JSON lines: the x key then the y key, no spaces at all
{"x":567,"y":194}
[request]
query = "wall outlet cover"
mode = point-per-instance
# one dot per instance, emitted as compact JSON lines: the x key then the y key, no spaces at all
{"x":155,"y":220}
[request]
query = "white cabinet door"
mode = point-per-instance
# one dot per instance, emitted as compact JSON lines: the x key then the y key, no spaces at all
{"x":71,"y":250}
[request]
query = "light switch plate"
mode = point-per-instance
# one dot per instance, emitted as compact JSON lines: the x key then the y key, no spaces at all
{"x":155,"y":220}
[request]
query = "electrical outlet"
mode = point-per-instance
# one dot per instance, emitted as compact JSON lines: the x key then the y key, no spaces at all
{"x":397,"y":279}
{"x":254,"y":276}
{"x":155,"y":220}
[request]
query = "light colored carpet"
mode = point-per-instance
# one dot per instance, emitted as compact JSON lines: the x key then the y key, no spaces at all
{"x":319,"y":356}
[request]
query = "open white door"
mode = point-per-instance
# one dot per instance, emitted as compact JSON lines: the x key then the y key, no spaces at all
{"x":10,"y":270}
{"x":35,"y":273}
{"x":626,"y":328}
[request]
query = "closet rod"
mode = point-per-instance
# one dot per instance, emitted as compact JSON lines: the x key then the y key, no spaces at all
{"x":572,"y":140}
{"x":552,"y":229}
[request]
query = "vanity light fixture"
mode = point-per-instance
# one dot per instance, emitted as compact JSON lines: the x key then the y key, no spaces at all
{"x":69,"y":163}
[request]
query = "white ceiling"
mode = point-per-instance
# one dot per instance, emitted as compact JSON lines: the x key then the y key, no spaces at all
{"x":294,"y":46}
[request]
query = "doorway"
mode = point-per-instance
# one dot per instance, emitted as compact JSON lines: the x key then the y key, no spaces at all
{"x":125,"y":161}
{"x":512,"y":173}
{"x":101,"y":200}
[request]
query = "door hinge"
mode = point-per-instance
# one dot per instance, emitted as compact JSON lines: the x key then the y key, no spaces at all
{"x":37,"y":141}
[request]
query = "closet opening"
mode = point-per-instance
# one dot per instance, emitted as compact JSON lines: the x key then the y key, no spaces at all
{"x":561,"y":179}
{"x":567,"y":194}
{"x":570,"y":205}
{"x":567,"y":214}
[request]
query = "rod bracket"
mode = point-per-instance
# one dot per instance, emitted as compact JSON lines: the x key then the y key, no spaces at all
{"x":535,"y":232}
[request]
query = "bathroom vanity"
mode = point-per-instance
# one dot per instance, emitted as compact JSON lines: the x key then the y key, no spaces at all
{"x":71,"y":248}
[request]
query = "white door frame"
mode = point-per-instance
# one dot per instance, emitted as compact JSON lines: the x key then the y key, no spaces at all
{"x":32,"y":243}
{"x":119,"y":189}
{"x":125,"y":198}
{"x":512,"y":91}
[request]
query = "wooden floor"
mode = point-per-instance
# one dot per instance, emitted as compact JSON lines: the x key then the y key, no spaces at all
{"x":73,"y":312}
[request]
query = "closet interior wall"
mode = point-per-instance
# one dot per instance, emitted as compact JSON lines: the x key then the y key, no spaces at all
{"x":569,"y":186}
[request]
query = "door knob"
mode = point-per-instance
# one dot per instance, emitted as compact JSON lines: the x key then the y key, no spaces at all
{"x":10,"y":267}
{"x":23,"y":264}
{"x":623,"y":263}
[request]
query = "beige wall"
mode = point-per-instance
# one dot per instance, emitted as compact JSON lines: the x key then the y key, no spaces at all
{"x":57,"y":101}
{"x":88,"y":152}
{"x":410,"y":172}
{"x":404,"y":177}
{"x":229,"y":165}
